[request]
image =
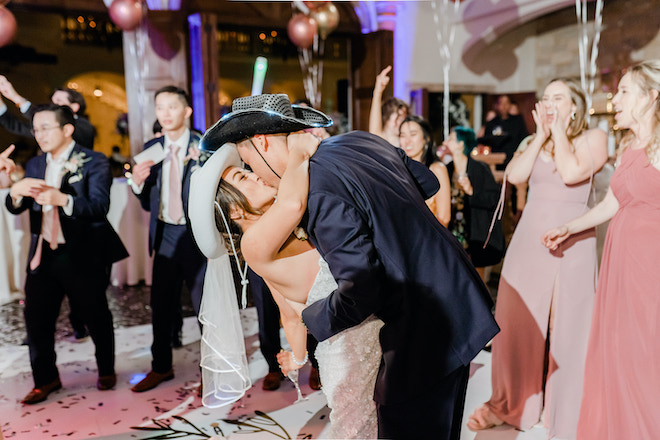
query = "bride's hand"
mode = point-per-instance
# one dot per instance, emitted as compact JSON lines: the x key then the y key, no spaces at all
{"x":303,"y":143}
{"x":285,"y":360}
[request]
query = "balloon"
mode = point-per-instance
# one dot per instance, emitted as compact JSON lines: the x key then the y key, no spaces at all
{"x":301,"y":30}
{"x":127,"y":14}
{"x":327,"y":18}
{"x":7,"y":26}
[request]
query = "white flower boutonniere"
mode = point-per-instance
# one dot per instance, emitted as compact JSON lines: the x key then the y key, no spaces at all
{"x":74,"y":166}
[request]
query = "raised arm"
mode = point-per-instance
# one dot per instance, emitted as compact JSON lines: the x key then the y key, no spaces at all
{"x":375,"y":115}
{"x":589,"y":154}
{"x":520,"y":167}
{"x":263,"y":241}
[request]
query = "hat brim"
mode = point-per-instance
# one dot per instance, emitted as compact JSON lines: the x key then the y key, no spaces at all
{"x":242,"y":124}
{"x":201,"y":209}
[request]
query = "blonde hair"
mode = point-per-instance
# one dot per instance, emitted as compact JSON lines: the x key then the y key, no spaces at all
{"x":647,"y":76}
{"x":579,"y":122}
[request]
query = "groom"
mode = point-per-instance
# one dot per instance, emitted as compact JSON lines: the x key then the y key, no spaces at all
{"x":389,"y":255}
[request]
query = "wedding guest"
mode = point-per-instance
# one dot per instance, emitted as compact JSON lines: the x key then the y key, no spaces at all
{"x":84,"y":132}
{"x":163,"y":190}
{"x":474,"y":196}
{"x":544,"y":298}
{"x":385,"y":117}
{"x":67,"y":191}
{"x":416,"y":140}
{"x":622,"y":384}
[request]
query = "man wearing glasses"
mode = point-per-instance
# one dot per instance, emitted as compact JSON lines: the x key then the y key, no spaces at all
{"x":67,"y":191}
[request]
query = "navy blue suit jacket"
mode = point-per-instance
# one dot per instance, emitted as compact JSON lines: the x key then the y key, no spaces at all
{"x":150,"y":195}
{"x":87,"y":232}
{"x":391,"y":257}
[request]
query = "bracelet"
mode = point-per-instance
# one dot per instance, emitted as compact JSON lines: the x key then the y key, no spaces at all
{"x":293,"y":358}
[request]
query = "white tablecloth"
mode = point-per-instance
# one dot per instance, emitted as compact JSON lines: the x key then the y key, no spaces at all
{"x":14,"y":246}
{"x":132,"y":224}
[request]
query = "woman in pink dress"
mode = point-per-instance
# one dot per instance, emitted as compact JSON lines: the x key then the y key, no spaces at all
{"x":622,"y":385}
{"x":545,"y":298}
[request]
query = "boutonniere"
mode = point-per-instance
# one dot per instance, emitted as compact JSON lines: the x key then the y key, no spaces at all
{"x":74,"y":166}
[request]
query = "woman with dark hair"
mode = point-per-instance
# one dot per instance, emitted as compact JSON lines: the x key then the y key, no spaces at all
{"x":474,"y":195}
{"x":545,"y":298}
{"x":260,"y":224}
{"x":416,"y":140}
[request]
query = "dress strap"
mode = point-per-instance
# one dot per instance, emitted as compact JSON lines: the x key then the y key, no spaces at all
{"x":499,"y":209}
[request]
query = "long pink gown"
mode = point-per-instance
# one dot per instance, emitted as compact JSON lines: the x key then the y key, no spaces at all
{"x":536,"y":283}
{"x":622,"y":384}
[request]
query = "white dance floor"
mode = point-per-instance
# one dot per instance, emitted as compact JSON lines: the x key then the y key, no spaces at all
{"x":173,"y":410}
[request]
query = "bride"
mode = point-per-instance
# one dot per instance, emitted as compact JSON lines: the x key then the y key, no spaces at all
{"x":265,"y":222}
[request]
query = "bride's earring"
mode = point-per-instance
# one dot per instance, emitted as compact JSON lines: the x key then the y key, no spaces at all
{"x":572,"y":116}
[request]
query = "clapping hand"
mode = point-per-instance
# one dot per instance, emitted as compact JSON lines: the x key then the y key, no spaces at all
{"x":540,"y":118}
{"x":8,"y":91}
{"x":49,"y":195}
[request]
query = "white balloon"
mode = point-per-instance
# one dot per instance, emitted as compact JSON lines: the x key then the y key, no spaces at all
{"x":107,"y":3}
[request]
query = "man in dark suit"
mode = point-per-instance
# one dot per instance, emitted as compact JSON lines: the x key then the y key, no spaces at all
{"x":84,"y":132}
{"x":163,"y":191}
{"x":73,"y":246}
{"x":389,"y":255}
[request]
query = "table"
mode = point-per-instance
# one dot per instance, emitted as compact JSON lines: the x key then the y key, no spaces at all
{"x":132,"y":225}
{"x":14,"y":246}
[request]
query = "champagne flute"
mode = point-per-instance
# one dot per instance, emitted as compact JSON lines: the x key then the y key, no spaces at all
{"x":293,"y":377}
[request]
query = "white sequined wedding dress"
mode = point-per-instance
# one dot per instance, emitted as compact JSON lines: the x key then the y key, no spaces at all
{"x":348,"y":365}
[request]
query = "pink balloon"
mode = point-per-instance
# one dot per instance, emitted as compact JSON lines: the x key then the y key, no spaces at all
{"x":301,"y":30}
{"x":7,"y":26}
{"x":127,"y":14}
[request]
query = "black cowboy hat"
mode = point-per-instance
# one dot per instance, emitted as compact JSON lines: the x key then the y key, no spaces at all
{"x":261,"y":114}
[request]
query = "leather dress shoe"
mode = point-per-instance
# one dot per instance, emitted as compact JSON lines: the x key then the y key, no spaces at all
{"x":39,"y":394}
{"x":314,"y":379}
{"x":272,"y":381}
{"x":152,"y":380}
{"x":106,"y":382}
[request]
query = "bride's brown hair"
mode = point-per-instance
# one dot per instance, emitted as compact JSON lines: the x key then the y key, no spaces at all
{"x":226,"y":197}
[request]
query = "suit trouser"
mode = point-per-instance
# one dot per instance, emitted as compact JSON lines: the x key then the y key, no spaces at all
{"x":437,"y":414}
{"x":84,"y":282}
{"x":268,"y":315}
{"x":177,"y":260}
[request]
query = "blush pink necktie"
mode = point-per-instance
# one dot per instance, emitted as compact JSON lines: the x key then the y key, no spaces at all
{"x":175,"y":203}
{"x":54,"y":233}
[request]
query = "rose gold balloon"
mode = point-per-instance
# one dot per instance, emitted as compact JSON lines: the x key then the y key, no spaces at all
{"x":127,"y":14}
{"x":327,"y":19}
{"x":7,"y":26}
{"x":301,"y":30}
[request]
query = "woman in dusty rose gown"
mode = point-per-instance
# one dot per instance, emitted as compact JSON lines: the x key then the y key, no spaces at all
{"x":621,"y":395}
{"x":545,"y":298}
